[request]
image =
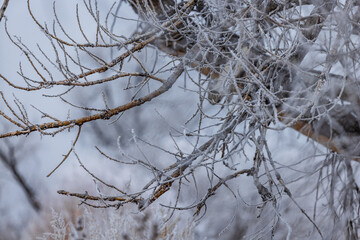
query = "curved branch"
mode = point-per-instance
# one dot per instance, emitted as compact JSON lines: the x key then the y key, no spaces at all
{"x":68,"y":154}
{"x":106,"y":115}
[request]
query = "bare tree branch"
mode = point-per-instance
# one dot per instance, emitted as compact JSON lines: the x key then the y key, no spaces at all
{"x":3,"y":8}
{"x":11,"y":162}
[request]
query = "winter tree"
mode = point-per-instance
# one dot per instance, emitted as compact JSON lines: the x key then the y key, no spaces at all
{"x":246,"y":70}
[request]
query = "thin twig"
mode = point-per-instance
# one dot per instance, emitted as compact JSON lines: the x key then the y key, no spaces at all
{"x":67,"y":155}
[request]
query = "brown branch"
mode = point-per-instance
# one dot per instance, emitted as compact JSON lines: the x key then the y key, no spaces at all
{"x":106,"y":115}
{"x":94,"y":198}
{"x":11,"y":162}
{"x":3,"y":8}
{"x":336,"y":127}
